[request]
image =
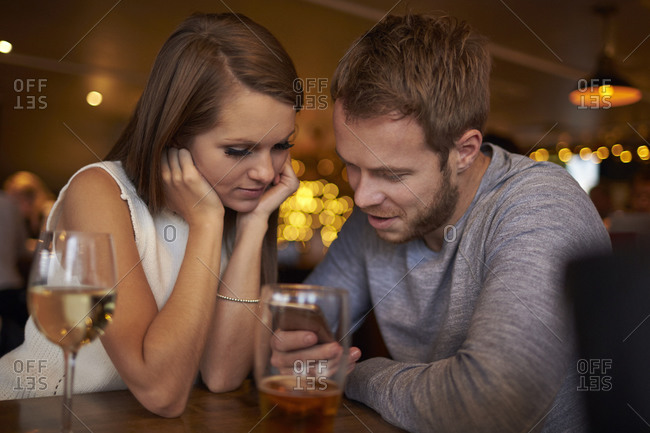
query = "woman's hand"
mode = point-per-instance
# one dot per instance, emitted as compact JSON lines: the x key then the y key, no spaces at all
{"x":187,"y":192}
{"x":284,"y":184}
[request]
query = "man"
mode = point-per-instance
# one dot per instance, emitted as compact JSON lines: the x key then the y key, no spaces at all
{"x":457,"y":246}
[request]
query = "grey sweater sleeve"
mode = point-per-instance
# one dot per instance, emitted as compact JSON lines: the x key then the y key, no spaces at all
{"x":344,"y":267}
{"x":518,"y":348}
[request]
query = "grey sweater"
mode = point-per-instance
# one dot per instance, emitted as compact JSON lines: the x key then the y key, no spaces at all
{"x":480,"y":333}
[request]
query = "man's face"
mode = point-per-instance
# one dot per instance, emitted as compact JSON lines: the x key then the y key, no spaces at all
{"x":397,"y":179}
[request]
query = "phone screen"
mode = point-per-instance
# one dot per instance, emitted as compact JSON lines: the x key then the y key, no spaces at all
{"x":301,"y":317}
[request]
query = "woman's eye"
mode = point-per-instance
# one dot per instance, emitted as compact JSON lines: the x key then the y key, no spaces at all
{"x":285,"y":145}
{"x":233,"y":151}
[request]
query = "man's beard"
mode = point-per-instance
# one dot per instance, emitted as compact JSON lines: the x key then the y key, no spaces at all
{"x":437,"y":212}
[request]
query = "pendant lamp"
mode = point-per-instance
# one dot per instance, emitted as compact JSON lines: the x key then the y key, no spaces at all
{"x":605,"y":88}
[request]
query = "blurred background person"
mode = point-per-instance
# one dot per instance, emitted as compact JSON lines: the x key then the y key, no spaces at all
{"x":13,"y":309}
{"x":33,"y":198}
{"x":630,"y":228}
{"x":601,"y":197}
{"x":640,"y":192}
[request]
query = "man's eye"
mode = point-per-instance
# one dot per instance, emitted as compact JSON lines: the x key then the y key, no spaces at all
{"x":393,"y":177}
{"x":233,"y":151}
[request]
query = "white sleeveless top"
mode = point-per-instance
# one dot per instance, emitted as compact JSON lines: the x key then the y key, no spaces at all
{"x":35,"y":369}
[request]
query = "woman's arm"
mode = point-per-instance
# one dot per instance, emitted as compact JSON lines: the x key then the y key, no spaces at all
{"x":228,"y":356}
{"x":156,"y":353}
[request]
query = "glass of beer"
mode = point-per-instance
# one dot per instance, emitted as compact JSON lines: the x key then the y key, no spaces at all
{"x":300,"y":390}
{"x":71,"y":295}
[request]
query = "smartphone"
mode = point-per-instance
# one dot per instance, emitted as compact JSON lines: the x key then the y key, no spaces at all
{"x":301,"y":317}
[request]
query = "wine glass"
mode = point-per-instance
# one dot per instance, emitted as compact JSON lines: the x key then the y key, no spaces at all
{"x":71,"y":295}
{"x":305,"y":395}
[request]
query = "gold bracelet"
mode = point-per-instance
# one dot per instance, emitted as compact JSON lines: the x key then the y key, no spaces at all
{"x":245,"y":301}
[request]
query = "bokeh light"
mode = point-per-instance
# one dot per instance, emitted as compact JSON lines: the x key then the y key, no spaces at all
{"x":325,"y":167}
{"x":5,"y":47}
{"x":316,"y":205}
{"x":585,"y":154}
{"x":626,"y":156}
{"x":565,"y":154}
{"x":298,"y":167}
{"x":94,"y":98}
{"x":602,"y":152}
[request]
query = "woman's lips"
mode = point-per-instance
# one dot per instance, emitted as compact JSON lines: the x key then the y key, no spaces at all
{"x":252,"y":192}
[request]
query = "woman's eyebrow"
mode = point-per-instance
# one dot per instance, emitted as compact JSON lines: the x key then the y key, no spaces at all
{"x":248,"y":142}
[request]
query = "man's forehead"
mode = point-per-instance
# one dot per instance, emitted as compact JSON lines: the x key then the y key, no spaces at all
{"x":376,"y":164}
{"x":349,"y":118}
{"x":389,"y":155}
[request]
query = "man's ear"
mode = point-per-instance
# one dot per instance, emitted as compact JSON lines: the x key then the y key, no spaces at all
{"x":468,"y":147}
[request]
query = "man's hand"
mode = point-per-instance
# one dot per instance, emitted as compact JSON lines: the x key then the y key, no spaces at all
{"x":300,"y":348}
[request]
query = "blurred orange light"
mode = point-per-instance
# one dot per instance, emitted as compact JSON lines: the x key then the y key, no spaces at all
{"x":602,"y":152}
{"x":585,"y":154}
{"x":626,"y":156}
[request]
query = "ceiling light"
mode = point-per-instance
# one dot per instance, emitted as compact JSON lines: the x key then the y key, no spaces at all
{"x":5,"y":47}
{"x":606,"y":88}
{"x":94,"y":98}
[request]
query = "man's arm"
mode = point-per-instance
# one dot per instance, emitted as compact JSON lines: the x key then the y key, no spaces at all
{"x":344,"y":267}
{"x":518,"y":348}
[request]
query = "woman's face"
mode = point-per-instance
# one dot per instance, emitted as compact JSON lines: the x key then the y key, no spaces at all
{"x":243,"y":155}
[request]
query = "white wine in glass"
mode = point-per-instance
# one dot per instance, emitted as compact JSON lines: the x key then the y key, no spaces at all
{"x":71,"y":295}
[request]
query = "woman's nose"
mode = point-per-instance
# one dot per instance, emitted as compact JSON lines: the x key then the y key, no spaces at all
{"x":262,"y":170}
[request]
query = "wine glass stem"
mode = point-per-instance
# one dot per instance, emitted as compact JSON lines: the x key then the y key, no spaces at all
{"x":66,"y":414}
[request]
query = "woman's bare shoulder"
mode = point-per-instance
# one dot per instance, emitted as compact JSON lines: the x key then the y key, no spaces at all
{"x":94,"y":178}
{"x":93,"y":202}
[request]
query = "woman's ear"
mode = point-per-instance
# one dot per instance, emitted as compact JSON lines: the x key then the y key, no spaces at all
{"x":468,"y":147}
{"x":179,"y":143}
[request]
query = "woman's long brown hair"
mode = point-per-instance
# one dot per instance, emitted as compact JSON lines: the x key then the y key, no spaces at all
{"x":189,"y":83}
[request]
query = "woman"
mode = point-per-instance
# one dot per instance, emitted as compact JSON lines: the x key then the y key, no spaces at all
{"x":196,"y":180}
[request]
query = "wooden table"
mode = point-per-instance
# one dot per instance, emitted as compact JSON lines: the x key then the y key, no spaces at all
{"x":120,"y":412}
